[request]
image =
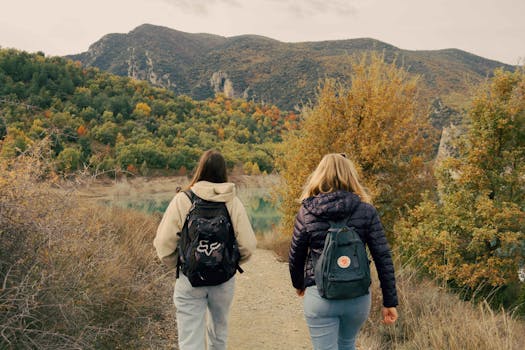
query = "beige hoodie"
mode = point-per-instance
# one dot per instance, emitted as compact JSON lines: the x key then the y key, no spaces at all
{"x":166,"y":239}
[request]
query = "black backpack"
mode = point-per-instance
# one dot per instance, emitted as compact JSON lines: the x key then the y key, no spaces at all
{"x":207,"y":248}
{"x":342,"y":270}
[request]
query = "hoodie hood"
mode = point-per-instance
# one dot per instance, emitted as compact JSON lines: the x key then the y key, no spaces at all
{"x":214,"y":192}
{"x":333,"y":205}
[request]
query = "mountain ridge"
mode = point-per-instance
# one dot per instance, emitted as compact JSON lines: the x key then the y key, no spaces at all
{"x":265,"y":69}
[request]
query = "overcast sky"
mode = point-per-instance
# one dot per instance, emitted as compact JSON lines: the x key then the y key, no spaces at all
{"x":493,"y":29}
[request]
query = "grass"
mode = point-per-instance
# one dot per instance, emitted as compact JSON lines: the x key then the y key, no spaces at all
{"x":76,"y":276}
{"x":433,"y":318}
{"x":430,"y":316}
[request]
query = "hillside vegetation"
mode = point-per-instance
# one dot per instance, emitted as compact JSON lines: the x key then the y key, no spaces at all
{"x":264,"y":69}
{"x":470,"y":231}
{"x":74,"y":276}
{"x":105,"y":122}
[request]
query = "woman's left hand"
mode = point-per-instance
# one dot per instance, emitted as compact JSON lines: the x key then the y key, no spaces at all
{"x":389,"y":315}
{"x":300,"y":292}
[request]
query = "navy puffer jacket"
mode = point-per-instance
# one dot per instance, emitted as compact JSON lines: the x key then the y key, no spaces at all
{"x":311,"y":225}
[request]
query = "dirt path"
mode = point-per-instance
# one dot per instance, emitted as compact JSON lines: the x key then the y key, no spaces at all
{"x":266,"y":313}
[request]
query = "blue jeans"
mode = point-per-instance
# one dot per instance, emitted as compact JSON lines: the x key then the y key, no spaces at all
{"x":334,"y":324}
{"x":194,"y":305}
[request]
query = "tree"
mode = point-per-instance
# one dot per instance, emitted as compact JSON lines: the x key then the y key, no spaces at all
{"x":378,"y":123}
{"x":473,"y":235}
{"x":142,"y":110}
{"x":88,"y":114}
{"x":37,"y":130}
{"x":68,"y":160}
{"x":81,"y":130}
{"x":255,"y":169}
{"x":106,"y":133}
{"x":14,"y":143}
{"x":154,"y":155}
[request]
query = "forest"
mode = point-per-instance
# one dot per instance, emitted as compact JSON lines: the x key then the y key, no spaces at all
{"x":103,"y":123}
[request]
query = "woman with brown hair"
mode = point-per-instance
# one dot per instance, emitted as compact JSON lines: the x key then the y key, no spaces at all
{"x":210,"y":184}
{"x":333,"y":193}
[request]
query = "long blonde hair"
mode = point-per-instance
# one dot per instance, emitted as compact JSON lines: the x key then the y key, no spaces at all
{"x":335,"y":172}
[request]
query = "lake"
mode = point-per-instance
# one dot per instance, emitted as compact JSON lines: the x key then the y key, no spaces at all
{"x":257,"y":200}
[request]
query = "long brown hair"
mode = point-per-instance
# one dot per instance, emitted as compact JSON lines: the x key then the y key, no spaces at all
{"x":211,"y":167}
{"x":335,"y":172}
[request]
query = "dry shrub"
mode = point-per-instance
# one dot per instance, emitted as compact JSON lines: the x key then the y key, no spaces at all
{"x":278,"y":243}
{"x":73,"y":275}
{"x":432,"y":318}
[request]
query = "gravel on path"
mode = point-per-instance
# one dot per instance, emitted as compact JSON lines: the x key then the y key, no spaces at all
{"x":266,"y":313}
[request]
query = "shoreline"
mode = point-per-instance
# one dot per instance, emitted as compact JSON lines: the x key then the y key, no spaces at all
{"x":151,"y":186}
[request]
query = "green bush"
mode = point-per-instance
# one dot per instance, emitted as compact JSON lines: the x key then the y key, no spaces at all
{"x":68,"y":160}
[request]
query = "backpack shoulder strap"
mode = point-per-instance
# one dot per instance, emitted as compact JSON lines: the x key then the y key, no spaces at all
{"x":193,"y":199}
{"x":191,"y":195}
{"x":338,"y":224}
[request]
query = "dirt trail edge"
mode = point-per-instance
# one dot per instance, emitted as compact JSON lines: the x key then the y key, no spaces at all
{"x":266,"y":313}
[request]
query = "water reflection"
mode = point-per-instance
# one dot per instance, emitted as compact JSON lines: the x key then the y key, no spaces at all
{"x":260,"y":208}
{"x":263,"y":214}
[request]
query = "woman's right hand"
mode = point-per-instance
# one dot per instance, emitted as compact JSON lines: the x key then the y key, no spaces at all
{"x":300,"y":292}
{"x":389,"y":315}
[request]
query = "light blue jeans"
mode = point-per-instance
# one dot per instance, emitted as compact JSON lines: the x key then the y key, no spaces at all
{"x":194,"y":305}
{"x":334,"y":324}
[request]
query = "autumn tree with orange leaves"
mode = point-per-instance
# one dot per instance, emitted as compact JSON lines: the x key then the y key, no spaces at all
{"x":379,"y":123}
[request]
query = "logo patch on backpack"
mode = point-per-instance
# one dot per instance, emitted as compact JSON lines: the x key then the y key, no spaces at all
{"x":342,"y":270}
{"x":207,"y":248}
{"x":208,"y":251}
{"x":344,"y":261}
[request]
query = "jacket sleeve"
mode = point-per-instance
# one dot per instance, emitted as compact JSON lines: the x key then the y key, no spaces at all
{"x":243,"y":230}
{"x":380,"y":250}
{"x":166,"y":239}
{"x":298,"y":251}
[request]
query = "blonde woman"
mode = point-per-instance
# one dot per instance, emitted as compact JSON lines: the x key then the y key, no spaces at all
{"x":333,"y":193}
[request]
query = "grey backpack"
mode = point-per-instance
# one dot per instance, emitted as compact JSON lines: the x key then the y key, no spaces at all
{"x":342,"y":270}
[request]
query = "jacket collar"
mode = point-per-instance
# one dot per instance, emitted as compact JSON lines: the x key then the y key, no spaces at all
{"x":333,"y":205}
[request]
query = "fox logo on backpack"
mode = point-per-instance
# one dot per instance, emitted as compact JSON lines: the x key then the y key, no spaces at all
{"x":207,"y":249}
{"x":342,"y":270}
